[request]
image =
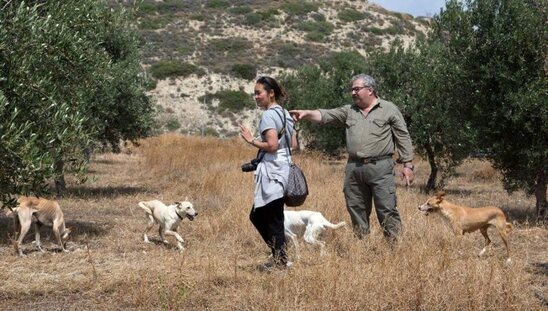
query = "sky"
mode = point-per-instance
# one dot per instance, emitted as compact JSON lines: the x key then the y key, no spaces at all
{"x":413,"y":7}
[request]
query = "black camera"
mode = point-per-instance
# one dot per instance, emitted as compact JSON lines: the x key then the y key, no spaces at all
{"x":251,"y":166}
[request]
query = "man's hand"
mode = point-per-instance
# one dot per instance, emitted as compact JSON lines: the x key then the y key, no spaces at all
{"x":312,"y":115}
{"x":407,"y":175}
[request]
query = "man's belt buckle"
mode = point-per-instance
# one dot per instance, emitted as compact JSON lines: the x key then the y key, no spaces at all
{"x":369,"y":160}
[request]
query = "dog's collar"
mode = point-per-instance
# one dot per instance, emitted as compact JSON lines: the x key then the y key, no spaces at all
{"x":181,"y":218}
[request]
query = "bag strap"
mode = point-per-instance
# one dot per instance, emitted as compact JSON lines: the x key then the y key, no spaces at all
{"x":284,"y":129}
{"x":260,"y":153}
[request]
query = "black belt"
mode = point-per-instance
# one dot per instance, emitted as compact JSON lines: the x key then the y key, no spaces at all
{"x":371,"y":159}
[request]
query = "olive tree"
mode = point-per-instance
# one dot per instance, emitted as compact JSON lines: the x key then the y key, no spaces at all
{"x":69,"y":76}
{"x":501,"y":44}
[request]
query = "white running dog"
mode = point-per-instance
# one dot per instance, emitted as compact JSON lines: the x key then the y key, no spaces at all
{"x":309,"y":225}
{"x":168,"y":217}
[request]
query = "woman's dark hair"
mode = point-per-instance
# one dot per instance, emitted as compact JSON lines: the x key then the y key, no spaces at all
{"x":271,"y":84}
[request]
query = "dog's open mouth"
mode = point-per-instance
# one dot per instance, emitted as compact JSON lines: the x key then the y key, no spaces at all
{"x":425,"y":211}
{"x":190,"y":217}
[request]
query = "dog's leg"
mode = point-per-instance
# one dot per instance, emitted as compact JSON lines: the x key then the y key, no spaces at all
{"x":56,"y":231}
{"x":180,"y":240}
{"x":311,"y":235}
{"x":25,"y":223}
{"x":293,"y":237}
{"x":504,"y":228}
{"x":16,"y":226}
{"x":487,"y":240}
{"x":150,"y":224}
{"x":162,"y":232}
{"x":37,"y":227}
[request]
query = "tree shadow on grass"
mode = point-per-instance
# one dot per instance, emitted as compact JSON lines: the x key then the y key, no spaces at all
{"x":109,"y":192}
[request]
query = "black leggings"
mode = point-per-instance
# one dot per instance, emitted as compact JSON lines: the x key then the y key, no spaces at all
{"x":269,"y":221}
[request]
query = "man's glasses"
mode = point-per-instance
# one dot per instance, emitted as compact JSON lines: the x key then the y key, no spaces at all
{"x":356,"y":89}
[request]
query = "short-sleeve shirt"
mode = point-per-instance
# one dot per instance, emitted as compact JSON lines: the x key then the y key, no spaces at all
{"x":372,"y":135}
{"x":273,"y":170}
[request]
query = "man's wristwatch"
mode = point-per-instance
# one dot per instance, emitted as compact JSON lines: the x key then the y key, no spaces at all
{"x":409,"y":165}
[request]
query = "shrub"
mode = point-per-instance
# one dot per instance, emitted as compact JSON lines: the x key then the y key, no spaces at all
{"x":231,"y":45}
{"x":173,"y":125}
{"x":217,"y":4}
{"x":317,"y":31}
{"x":165,"y":69}
{"x":153,"y":22}
{"x":319,"y":17}
{"x":351,"y":15}
{"x":229,"y":100}
{"x":198,"y":17}
{"x":244,"y":9}
{"x":299,"y":8}
{"x":252,"y":18}
{"x":209,"y":131}
{"x":245,"y":71}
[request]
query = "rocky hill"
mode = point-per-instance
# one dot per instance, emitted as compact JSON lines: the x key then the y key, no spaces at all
{"x":204,"y":55}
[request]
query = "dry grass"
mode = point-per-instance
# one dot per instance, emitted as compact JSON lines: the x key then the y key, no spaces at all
{"x":110,"y":268}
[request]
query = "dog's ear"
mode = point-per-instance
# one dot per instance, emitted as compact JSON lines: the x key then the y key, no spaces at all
{"x":186,"y":198}
{"x":440,"y":194}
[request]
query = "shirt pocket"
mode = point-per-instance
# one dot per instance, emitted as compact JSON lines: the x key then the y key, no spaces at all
{"x":350,"y":123}
{"x":379,"y":127}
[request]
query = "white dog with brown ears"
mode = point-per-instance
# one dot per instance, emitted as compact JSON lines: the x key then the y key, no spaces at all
{"x":466,"y":219}
{"x":43,"y":212}
{"x":168,"y":217}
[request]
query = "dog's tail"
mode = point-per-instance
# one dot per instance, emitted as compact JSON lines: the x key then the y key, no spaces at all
{"x":335,"y":226}
{"x":145,"y":207}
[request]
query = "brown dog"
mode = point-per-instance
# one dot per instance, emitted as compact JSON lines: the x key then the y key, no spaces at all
{"x":43,"y":212}
{"x":466,"y":219}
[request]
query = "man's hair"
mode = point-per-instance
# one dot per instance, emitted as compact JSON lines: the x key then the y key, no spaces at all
{"x":367,"y":81}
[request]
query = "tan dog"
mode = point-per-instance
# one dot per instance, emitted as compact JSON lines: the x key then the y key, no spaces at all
{"x":43,"y":212}
{"x":168,"y":217}
{"x":466,"y":219}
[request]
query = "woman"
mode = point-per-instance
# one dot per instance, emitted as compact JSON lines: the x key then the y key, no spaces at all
{"x":267,"y":213}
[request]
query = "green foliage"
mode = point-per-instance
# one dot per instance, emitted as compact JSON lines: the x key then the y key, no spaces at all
{"x":154,"y":22}
{"x":67,"y":79}
{"x":499,"y":48}
{"x":299,"y":8}
{"x":426,"y":85}
{"x":324,"y":86}
{"x":166,"y":69}
{"x":242,"y":10}
{"x":245,"y":71}
{"x":253,"y":18}
{"x":502,"y":47}
{"x":173,"y":125}
{"x":230,"y":100}
{"x":317,"y":31}
{"x":351,"y":15}
{"x":217,"y":4}
{"x":230,"y":45}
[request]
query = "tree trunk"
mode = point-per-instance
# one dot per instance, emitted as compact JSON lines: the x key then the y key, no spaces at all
{"x":540,"y":194}
{"x":60,"y":185}
{"x":431,"y":183}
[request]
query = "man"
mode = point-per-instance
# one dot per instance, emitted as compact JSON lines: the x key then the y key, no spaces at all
{"x":373,"y":128}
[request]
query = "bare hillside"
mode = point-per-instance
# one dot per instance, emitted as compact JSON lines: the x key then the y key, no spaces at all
{"x":207,"y":47}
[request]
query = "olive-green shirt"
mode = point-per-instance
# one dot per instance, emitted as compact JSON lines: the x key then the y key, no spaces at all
{"x":375,"y":134}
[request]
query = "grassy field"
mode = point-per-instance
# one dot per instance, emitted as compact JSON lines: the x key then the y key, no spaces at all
{"x":110,"y":268}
